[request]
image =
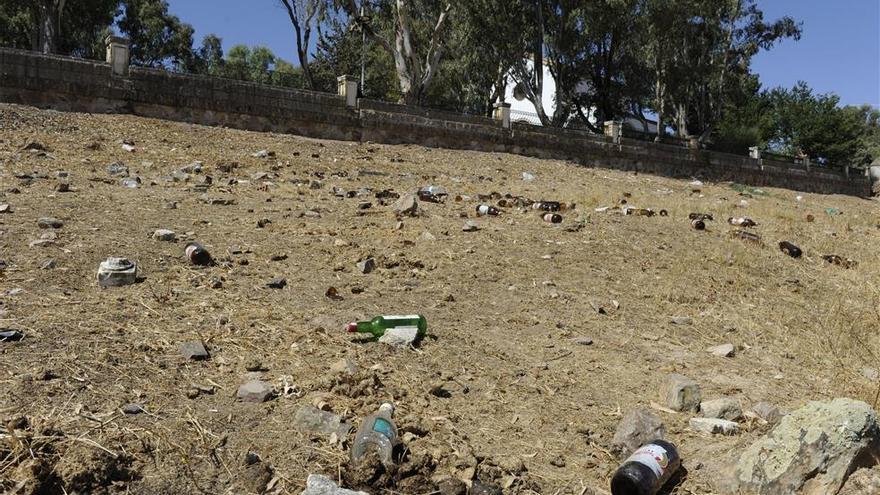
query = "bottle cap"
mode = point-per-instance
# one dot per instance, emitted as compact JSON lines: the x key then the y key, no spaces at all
{"x":351,"y":327}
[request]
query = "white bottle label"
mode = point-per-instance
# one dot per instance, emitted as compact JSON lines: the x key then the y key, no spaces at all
{"x":653,"y":456}
{"x":402,"y":317}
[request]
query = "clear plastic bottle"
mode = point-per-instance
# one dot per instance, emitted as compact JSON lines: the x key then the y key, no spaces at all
{"x":378,"y":433}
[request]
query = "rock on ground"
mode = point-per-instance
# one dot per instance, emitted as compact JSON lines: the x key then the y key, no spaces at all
{"x":723,"y":408}
{"x":638,"y":427}
{"x":723,"y":350}
{"x":681,"y":393}
{"x":862,"y":482}
{"x":255,"y":391}
{"x":768,"y":412}
{"x":400,"y":336}
{"x":314,"y":420}
{"x":811,"y":451}
{"x":164,"y":235}
{"x":714,"y":426}
{"x":406,"y":206}
{"x":321,"y":485}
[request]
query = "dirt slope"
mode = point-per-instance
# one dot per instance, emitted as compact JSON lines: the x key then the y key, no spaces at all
{"x":500,"y":390}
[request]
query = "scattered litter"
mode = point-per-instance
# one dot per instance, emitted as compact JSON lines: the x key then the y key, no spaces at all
{"x":746,"y":236}
{"x":377,"y":433}
{"x":197,"y":254}
{"x":742,"y":222}
{"x":647,"y":469}
{"x":833,"y":212}
{"x":552,"y":217}
{"x":840,"y":261}
{"x":116,"y":272}
{"x":7,"y":335}
{"x":526,"y":176}
{"x":790,"y":249}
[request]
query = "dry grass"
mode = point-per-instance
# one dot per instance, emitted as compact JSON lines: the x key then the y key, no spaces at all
{"x":806,"y":329}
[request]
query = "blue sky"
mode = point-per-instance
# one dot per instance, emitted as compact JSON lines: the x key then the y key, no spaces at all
{"x":839,"y":51}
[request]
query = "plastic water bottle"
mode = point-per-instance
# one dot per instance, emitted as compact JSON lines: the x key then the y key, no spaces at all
{"x":647,"y":470}
{"x":377,"y":433}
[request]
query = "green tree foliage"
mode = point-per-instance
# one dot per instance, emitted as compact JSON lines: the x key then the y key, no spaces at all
{"x":71,"y":27}
{"x":158,"y":38}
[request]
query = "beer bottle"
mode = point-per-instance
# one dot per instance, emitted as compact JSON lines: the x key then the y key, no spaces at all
{"x":197,"y":254}
{"x":552,"y":217}
{"x":647,"y":470}
{"x":483,"y":210}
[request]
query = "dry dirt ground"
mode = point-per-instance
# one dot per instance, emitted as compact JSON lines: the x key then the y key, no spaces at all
{"x":500,"y":391}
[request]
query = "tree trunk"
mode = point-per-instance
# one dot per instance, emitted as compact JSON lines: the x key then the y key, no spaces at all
{"x":48,"y":24}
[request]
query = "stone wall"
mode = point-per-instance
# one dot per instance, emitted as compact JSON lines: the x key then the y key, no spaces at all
{"x":71,"y":84}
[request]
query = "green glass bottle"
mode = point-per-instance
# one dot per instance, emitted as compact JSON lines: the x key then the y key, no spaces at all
{"x":379,"y":324}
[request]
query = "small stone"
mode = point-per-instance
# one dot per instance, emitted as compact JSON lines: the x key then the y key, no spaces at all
{"x":724,"y":408}
{"x":49,"y":223}
{"x":871,"y":374}
{"x":41,"y":243}
{"x":723,"y":350}
{"x":366,"y":266}
{"x":170,"y":205}
{"x":341,"y":243}
{"x":278,"y":257}
{"x":558,"y":461}
{"x":311,"y":214}
{"x":193,"y":393}
{"x":470,"y":226}
{"x":252,"y":458}
{"x":132,"y":409}
{"x":480,"y":488}
{"x":682,"y":320}
{"x":582,"y":341}
{"x":5,"y":208}
{"x":317,"y":484}
{"x":255,"y":391}
{"x":452,"y":486}
{"x":365,"y":205}
{"x":398,"y":226}
{"x":315,"y":184}
{"x":277,"y":283}
{"x":344,"y":366}
{"x":48,"y":264}
{"x":164,"y":235}
{"x":263,"y":154}
{"x":254,"y":365}
{"x":681,"y":393}
{"x":62,"y":187}
{"x":714,"y":426}
{"x":263,"y":222}
{"x":400,"y":336}
{"x":637,"y":428}
{"x":406,"y":205}
{"x":768,"y":412}
{"x":193,"y":350}
{"x":428,"y":236}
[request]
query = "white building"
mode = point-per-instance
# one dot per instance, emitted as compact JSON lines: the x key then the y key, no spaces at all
{"x":522,"y":110}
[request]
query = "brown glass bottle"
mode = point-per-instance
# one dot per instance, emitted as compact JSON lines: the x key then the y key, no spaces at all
{"x":197,"y":254}
{"x":646,"y":470}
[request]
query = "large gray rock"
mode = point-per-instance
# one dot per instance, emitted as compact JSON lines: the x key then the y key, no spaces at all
{"x":638,"y":427}
{"x":318,"y":484}
{"x":681,"y":393}
{"x":811,"y":451}
{"x":724,"y":408}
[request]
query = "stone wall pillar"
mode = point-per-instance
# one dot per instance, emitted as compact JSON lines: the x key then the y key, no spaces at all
{"x":348,"y":88}
{"x":502,"y":114}
{"x":755,"y":153}
{"x":614,"y":130}
{"x":118,"y":54}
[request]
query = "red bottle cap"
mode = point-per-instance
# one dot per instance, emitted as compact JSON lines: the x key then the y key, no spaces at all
{"x":351,"y":327}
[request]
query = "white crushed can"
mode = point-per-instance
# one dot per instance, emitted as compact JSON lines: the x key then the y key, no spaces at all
{"x":116,"y":272}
